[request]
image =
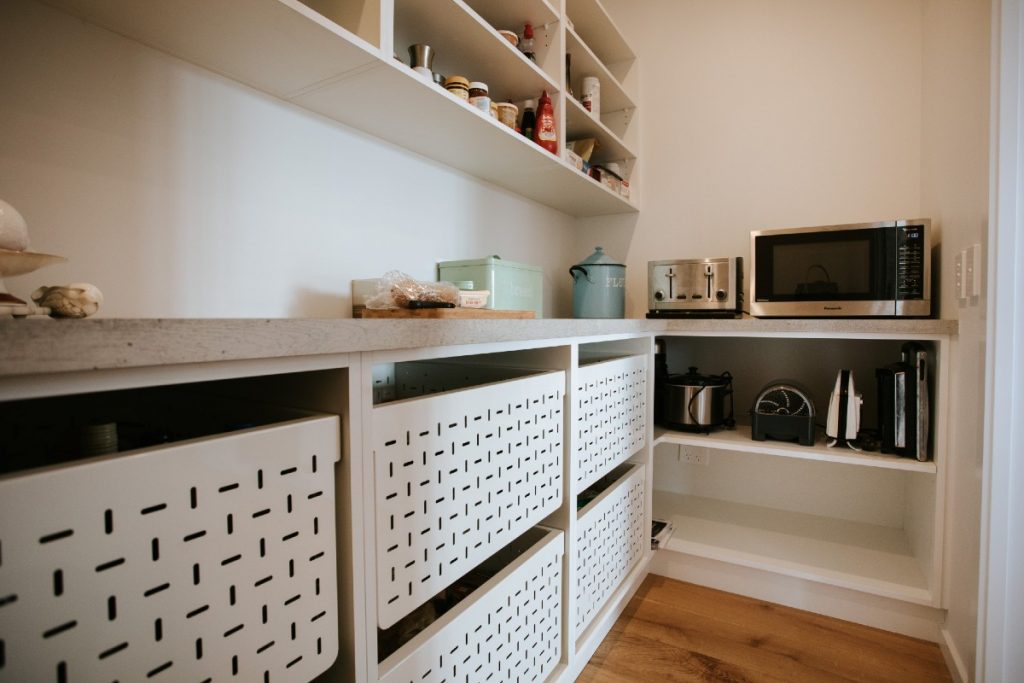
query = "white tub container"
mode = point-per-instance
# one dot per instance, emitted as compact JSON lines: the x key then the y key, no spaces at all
{"x":459,"y":474}
{"x":509,"y":629}
{"x":611,"y":415}
{"x":610,"y":540}
{"x":207,"y":558}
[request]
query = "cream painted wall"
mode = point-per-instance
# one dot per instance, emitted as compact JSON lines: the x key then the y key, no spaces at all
{"x":766,"y":114}
{"x":182,"y":194}
{"x":954,"y":192}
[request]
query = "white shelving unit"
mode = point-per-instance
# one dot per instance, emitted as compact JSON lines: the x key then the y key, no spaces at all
{"x":867,"y":522}
{"x":347,"y":72}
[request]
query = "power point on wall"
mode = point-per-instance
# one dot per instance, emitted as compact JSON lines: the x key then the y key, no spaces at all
{"x":692,"y":455}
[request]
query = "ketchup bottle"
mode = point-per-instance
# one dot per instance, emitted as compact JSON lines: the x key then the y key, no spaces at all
{"x":545,"y":133}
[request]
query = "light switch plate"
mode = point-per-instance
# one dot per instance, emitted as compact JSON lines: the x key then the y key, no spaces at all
{"x":973,"y":275}
{"x":960,"y":282}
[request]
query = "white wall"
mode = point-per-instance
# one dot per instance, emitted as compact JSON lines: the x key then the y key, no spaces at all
{"x":954,"y":193}
{"x":182,"y":194}
{"x":766,"y":114}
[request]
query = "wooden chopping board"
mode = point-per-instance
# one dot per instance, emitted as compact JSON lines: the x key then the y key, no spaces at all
{"x":445,"y":313}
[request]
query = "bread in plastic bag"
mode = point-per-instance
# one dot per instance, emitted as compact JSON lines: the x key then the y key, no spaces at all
{"x":397,"y":290}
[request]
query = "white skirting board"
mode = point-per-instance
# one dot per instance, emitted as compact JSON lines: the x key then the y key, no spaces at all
{"x":954,"y":660}
{"x":917,"y":621}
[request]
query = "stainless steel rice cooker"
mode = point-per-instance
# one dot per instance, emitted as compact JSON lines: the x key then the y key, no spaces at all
{"x":599,"y":287}
{"x":697,"y":403}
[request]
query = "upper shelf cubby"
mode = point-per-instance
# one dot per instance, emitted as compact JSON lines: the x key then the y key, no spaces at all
{"x":466,"y":44}
{"x":592,"y":24}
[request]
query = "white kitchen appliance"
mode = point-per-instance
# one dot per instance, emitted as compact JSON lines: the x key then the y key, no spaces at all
{"x":843,"y":411}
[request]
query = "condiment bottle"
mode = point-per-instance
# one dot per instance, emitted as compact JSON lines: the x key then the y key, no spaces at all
{"x":479,"y":97}
{"x":529,"y":121}
{"x":526,"y":44}
{"x":546,"y":134}
{"x":458,"y":86}
{"x":592,"y":95}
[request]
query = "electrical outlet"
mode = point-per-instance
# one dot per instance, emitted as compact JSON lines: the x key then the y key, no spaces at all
{"x":692,"y":455}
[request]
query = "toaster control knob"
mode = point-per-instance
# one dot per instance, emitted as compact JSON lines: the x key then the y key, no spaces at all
{"x":721,"y":295}
{"x":659,"y":295}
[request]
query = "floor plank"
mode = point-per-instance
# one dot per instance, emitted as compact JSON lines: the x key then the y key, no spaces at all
{"x":674,"y":631}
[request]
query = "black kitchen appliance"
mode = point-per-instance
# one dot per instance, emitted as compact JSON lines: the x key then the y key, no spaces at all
{"x":903,"y":404}
{"x":783,"y":411}
{"x":696,"y":403}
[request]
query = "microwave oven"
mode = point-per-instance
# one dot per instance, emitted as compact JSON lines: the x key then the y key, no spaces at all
{"x":838,"y":271}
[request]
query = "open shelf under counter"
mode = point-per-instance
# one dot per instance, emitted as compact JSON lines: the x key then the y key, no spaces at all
{"x":739,"y":439}
{"x":864,"y":557}
{"x":591,"y":21}
{"x":585,"y":63}
{"x":466,"y":44}
{"x":580,"y":123}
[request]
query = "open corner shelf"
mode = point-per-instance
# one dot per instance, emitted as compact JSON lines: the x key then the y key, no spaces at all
{"x":864,"y":557}
{"x":290,"y":51}
{"x":591,"y":22}
{"x":739,"y":439}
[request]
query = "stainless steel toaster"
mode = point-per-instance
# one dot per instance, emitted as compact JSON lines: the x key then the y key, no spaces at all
{"x":695,"y":288}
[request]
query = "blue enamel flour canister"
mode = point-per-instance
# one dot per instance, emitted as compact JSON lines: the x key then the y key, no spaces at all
{"x":599,"y":287}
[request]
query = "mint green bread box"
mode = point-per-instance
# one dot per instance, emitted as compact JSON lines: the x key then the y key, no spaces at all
{"x":513,"y":286}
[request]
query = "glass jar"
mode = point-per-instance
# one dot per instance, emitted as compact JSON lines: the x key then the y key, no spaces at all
{"x":458,"y":86}
{"x":479,"y":97}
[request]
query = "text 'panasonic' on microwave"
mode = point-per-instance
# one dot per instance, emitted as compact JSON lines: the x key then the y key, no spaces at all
{"x":837,"y":271}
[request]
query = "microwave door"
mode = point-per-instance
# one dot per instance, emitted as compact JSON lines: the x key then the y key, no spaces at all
{"x":828,"y":272}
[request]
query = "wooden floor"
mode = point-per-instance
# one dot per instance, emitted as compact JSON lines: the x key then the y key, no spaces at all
{"x":674,"y":631}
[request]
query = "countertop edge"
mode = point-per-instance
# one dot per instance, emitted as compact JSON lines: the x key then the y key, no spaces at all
{"x":45,"y":346}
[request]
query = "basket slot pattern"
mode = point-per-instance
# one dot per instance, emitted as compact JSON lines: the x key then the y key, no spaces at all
{"x":458,"y":476}
{"x":209,"y":560}
{"x":511,"y":633}
{"x":611,"y":541}
{"x":611,"y":416}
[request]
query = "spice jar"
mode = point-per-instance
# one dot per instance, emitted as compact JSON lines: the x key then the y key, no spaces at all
{"x":458,"y":86}
{"x":479,"y":97}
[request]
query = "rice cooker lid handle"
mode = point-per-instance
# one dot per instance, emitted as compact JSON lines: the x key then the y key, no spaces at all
{"x":695,"y":379}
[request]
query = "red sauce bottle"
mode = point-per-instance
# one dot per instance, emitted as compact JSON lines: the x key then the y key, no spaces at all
{"x":545,"y":133}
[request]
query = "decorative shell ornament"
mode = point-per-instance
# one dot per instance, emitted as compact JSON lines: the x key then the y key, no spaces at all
{"x":77,"y":300}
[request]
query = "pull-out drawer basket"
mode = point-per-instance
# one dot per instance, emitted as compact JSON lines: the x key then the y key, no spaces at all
{"x":209,"y":559}
{"x":458,"y":476}
{"x":611,"y":415}
{"x":508,"y":629}
{"x":610,"y":540}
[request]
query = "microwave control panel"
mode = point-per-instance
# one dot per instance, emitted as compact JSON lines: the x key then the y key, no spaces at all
{"x":910,"y":262}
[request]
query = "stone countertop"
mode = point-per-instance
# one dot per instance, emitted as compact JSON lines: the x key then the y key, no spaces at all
{"x":44,"y":346}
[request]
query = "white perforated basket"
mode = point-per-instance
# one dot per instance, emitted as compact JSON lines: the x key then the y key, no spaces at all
{"x":459,"y":475}
{"x":610,"y":541}
{"x":611,"y":416}
{"x":205,"y":560}
{"x":509,"y":630}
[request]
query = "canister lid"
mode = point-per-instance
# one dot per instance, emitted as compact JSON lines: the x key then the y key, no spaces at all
{"x":599,"y":258}
{"x":456,"y":81}
{"x":478,"y":85}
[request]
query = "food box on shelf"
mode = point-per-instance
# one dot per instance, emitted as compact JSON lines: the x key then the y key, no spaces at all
{"x":513,"y":286}
{"x":574,"y":159}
